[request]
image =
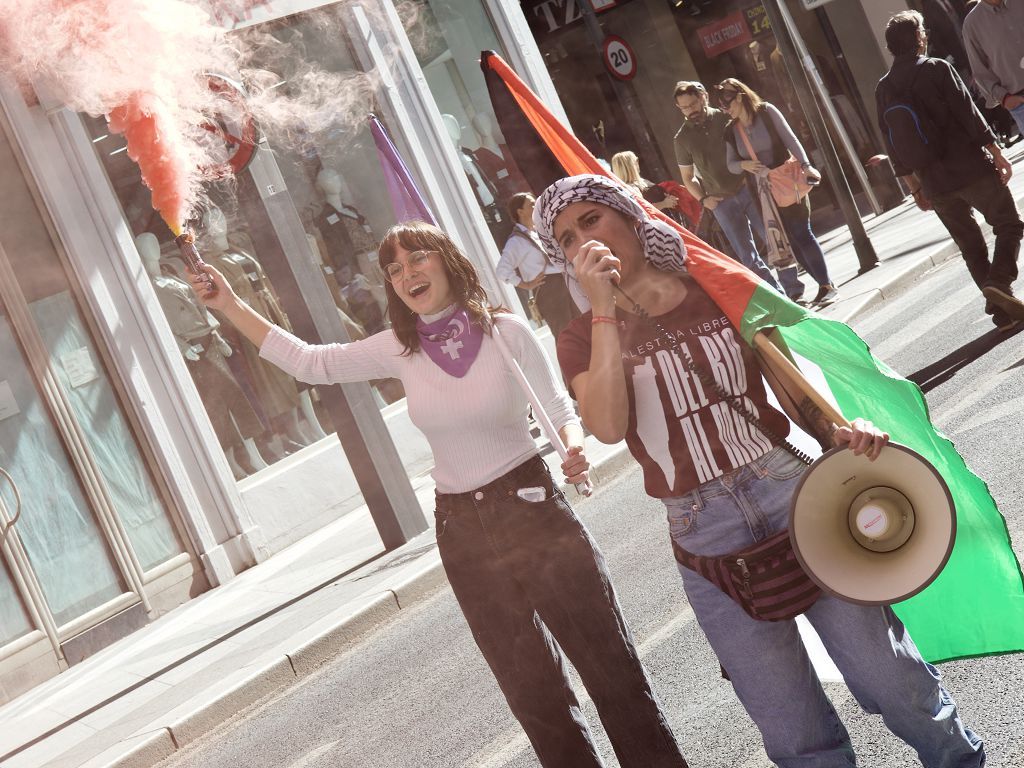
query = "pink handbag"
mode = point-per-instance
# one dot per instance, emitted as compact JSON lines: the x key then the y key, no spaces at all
{"x":788,"y":181}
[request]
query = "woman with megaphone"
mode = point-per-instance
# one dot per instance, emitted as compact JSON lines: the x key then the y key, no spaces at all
{"x":654,"y":361}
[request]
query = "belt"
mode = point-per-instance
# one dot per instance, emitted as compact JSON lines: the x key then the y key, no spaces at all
{"x":506,"y":484}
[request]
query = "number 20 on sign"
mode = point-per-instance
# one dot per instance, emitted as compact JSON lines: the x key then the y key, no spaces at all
{"x":619,"y":57}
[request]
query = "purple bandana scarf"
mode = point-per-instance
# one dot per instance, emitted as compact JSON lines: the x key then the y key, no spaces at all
{"x":452,"y":342}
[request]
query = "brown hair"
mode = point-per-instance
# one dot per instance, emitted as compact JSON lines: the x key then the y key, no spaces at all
{"x":747,"y":95}
{"x":516,"y":203}
{"x":462,"y":278}
{"x":902,"y":31}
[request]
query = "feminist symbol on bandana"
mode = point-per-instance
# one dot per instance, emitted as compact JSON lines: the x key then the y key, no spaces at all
{"x":451,"y":348}
{"x":452,"y":343}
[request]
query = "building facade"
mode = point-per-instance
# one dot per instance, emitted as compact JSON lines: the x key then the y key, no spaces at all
{"x":155,"y":455}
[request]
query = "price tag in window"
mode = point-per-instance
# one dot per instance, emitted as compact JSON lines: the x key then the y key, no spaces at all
{"x":79,"y":367}
{"x":8,"y":405}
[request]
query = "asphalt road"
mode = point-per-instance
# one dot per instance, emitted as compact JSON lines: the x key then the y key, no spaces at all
{"x":417,"y":693}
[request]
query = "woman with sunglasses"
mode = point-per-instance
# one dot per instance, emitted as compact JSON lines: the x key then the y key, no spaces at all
{"x":526,"y":573}
{"x":725,"y":484}
{"x":773,"y":141}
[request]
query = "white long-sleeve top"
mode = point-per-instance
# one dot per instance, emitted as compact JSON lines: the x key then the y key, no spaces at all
{"x":523,"y":258}
{"x":476,"y":426}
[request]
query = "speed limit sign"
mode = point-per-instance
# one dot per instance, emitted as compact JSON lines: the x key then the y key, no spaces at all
{"x":619,"y":57}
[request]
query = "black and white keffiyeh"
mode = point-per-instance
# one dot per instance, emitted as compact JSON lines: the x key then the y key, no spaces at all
{"x":663,"y":245}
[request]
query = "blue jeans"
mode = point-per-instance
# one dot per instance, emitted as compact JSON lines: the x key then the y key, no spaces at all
{"x":766,"y":661}
{"x":1017,"y":113}
{"x":796,"y":219}
{"x":532,"y":583}
{"x":735,"y":215}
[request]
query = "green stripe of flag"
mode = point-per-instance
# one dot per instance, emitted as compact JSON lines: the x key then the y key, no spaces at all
{"x":976,"y":606}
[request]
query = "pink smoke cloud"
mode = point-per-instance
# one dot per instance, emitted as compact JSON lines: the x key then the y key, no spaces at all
{"x":139,"y":62}
{"x":143,"y":65}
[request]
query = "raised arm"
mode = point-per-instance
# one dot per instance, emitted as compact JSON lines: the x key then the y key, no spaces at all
{"x":601,"y":389}
{"x":373,"y":358}
{"x":221,"y":297}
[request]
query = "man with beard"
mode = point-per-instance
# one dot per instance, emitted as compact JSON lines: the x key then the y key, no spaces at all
{"x":700,"y":152}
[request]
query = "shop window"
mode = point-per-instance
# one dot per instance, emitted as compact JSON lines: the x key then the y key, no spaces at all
{"x":334,"y":181}
{"x":447,"y":37}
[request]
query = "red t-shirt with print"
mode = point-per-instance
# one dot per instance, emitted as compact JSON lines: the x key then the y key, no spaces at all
{"x":680,"y":431}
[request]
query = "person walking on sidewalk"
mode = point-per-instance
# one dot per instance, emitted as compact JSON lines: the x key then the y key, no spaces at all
{"x":700,"y":153}
{"x":994,"y":39}
{"x":772,"y":142}
{"x":526,"y":573}
{"x":522,"y":256}
{"x":948,"y":157}
{"x":727,"y":485}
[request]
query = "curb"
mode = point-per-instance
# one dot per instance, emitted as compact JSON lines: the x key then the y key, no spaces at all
{"x":288,"y":669}
{"x":904,"y":277}
{"x":897,"y":284}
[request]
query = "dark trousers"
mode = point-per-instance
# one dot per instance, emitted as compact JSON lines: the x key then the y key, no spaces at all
{"x":531,"y":583}
{"x":796,"y":219}
{"x":555,"y":303}
{"x":993,"y":199}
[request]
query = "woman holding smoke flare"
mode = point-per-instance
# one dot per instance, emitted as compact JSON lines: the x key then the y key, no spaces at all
{"x":726,"y":484}
{"x":524,"y":570}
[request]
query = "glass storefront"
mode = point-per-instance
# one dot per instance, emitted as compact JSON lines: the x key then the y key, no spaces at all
{"x":94,"y":527}
{"x":685,"y":40}
{"x":447,"y":37}
{"x":335,"y":184}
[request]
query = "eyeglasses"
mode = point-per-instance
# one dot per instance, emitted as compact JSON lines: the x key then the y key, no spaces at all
{"x":725,"y":98}
{"x":417,"y":260}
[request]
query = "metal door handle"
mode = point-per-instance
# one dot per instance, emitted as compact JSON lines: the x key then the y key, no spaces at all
{"x":6,"y":527}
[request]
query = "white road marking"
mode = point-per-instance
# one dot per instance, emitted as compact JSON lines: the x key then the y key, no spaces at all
{"x":309,"y":758}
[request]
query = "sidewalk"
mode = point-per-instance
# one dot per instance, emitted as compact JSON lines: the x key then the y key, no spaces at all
{"x":166,"y":685}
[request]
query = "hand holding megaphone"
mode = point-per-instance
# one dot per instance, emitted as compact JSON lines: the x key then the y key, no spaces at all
{"x":862,"y":437}
{"x":874,"y":524}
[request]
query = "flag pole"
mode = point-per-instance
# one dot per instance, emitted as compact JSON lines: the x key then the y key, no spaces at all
{"x":788,"y":372}
{"x":585,"y":488}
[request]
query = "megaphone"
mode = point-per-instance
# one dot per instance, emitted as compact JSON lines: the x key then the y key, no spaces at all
{"x":872,"y":532}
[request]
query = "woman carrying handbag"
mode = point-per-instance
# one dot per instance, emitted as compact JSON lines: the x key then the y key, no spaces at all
{"x":763,"y":145}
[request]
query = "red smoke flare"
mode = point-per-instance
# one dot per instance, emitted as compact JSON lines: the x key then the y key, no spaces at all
{"x":151,"y":137}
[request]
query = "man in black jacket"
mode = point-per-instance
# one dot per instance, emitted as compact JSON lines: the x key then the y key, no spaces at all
{"x":964,"y":168}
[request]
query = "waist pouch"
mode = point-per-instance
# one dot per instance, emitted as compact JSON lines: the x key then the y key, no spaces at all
{"x":765,"y":580}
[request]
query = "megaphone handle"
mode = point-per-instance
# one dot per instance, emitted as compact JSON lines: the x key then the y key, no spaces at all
{"x":785,"y":367}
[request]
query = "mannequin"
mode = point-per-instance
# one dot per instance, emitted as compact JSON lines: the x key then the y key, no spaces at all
{"x":483,"y":189}
{"x":205,"y":350}
{"x":495,"y":160}
{"x":360,"y":301}
{"x":350,"y":243}
{"x":355,"y":330}
{"x":346,"y":231}
{"x":276,"y":392}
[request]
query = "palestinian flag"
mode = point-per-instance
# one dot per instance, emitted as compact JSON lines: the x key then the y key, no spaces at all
{"x":976,"y":605}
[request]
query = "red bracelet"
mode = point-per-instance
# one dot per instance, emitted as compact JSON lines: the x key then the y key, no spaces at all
{"x":603,"y":319}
